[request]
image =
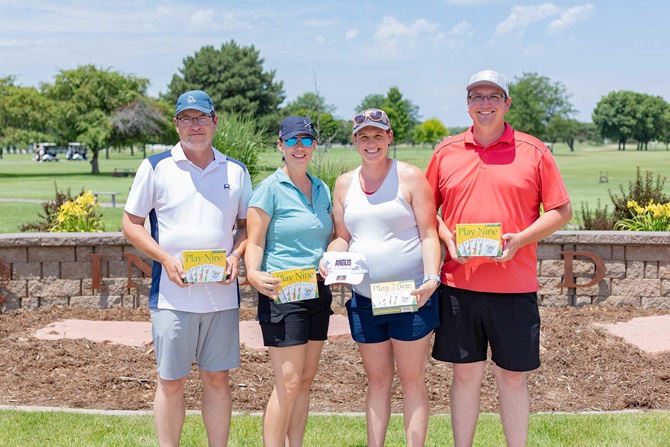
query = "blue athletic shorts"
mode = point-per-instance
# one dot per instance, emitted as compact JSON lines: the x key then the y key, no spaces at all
{"x":471,"y":321}
{"x":404,"y":326}
{"x":213,"y":339}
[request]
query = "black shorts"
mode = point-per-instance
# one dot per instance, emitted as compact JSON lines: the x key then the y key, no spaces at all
{"x":292,"y":324}
{"x":470,"y":321}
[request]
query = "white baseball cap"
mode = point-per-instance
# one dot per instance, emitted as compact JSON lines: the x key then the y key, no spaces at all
{"x":344,"y":267}
{"x":488,"y":77}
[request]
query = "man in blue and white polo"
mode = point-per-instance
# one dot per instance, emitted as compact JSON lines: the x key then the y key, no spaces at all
{"x":195,"y":198}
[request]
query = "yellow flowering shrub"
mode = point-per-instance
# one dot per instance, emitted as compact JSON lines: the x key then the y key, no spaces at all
{"x":79,"y":215}
{"x":652,"y":217}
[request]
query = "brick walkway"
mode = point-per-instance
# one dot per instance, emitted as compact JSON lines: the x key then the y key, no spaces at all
{"x":134,"y":333}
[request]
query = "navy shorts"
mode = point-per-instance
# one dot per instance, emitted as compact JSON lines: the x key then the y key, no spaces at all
{"x":404,"y":326}
{"x":470,"y":321}
{"x":296,"y":323}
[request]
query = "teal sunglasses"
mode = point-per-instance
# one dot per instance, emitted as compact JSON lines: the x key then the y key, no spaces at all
{"x":305,"y":141}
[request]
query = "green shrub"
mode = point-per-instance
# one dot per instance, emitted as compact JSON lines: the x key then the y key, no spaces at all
{"x":652,"y":217}
{"x":47,"y":217}
{"x":326,"y":169}
{"x":80,"y":215}
{"x":238,"y":137}
{"x":642,"y":190}
{"x":598,"y":219}
{"x":66,"y":213}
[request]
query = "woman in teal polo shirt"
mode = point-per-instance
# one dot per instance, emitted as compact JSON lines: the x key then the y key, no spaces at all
{"x":289,"y":226}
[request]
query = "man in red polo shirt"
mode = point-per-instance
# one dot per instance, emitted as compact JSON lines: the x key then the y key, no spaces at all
{"x":493,"y":174}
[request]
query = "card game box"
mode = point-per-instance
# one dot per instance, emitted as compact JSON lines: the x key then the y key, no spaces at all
{"x":393,"y":297}
{"x":297,"y":284}
{"x":204,"y":265}
{"x":479,"y":239}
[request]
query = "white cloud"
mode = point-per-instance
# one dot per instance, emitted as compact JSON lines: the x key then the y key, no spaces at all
{"x":392,"y":28}
{"x":391,"y":31}
{"x":320,"y":39}
{"x":572,"y":16}
{"x":351,"y":34}
{"x":163,"y":11}
{"x":202,"y":21}
{"x":207,"y":20}
{"x":9,"y":42}
{"x":471,"y":2}
{"x":320,"y":22}
{"x":232,"y":22}
{"x":394,"y":40}
{"x":533,"y":51}
{"x":523,"y":16}
{"x":462,"y":28}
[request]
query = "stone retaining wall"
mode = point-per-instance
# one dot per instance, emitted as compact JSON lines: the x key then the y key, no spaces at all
{"x":102,"y":270}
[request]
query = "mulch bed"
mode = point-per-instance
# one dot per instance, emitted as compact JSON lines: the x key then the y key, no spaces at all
{"x":583,"y":368}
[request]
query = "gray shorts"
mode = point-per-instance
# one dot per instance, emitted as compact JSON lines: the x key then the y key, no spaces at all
{"x":212,"y":338}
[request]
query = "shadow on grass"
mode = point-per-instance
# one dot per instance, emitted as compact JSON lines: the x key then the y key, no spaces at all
{"x":54,"y":174}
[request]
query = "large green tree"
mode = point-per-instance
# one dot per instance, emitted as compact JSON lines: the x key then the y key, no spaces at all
{"x":535,"y":101}
{"x":314,"y":106}
{"x":615,"y":116}
{"x":399,"y":111}
{"x":313,"y":102}
{"x":372,"y":101}
{"x":563,"y":129}
{"x":404,"y":115}
{"x":144,"y":120}
{"x":664,"y":134}
{"x":26,"y":116}
{"x":233,"y":76}
{"x":85,"y":100}
{"x":588,"y":132}
{"x":431,"y":131}
{"x":649,"y":119}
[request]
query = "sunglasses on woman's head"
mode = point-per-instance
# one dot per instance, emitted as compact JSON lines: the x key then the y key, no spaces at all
{"x":375,"y":115}
{"x":305,"y":141}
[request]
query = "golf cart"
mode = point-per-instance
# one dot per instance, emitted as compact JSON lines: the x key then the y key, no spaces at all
{"x":76,"y":151}
{"x":45,"y":152}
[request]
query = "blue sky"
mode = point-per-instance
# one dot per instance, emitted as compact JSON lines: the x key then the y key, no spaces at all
{"x":428,"y":48}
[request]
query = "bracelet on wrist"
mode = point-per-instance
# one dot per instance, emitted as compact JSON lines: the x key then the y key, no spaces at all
{"x":235,"y":255}
{"x":429,"y":277}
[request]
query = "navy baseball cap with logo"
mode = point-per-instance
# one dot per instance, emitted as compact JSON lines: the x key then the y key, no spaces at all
{"x":295,"y":125}
{"x":196,"y":100}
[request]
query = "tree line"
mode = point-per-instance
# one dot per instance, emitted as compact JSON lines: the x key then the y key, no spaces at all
{"x":102,"y":108}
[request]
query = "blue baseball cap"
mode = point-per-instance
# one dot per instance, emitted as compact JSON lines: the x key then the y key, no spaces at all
{"x":196,"y":100}
{"x":295,"y":125}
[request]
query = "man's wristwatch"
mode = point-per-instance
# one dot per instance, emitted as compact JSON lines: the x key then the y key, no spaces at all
{"x":429,"y":277}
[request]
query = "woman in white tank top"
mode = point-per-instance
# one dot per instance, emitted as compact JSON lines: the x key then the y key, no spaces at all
{"x":385,"y":210}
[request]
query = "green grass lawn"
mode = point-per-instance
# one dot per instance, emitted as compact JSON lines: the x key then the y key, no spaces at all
{"x":48,"y":429}
{"x":22,"y":178}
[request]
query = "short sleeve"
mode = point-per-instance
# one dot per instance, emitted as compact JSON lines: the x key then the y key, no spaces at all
{"x":433,"y":177}
{"x":263,"y":197}
{"x":245,"y":196}
{"x":141,"y":196}
{"x":553,"y":190}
